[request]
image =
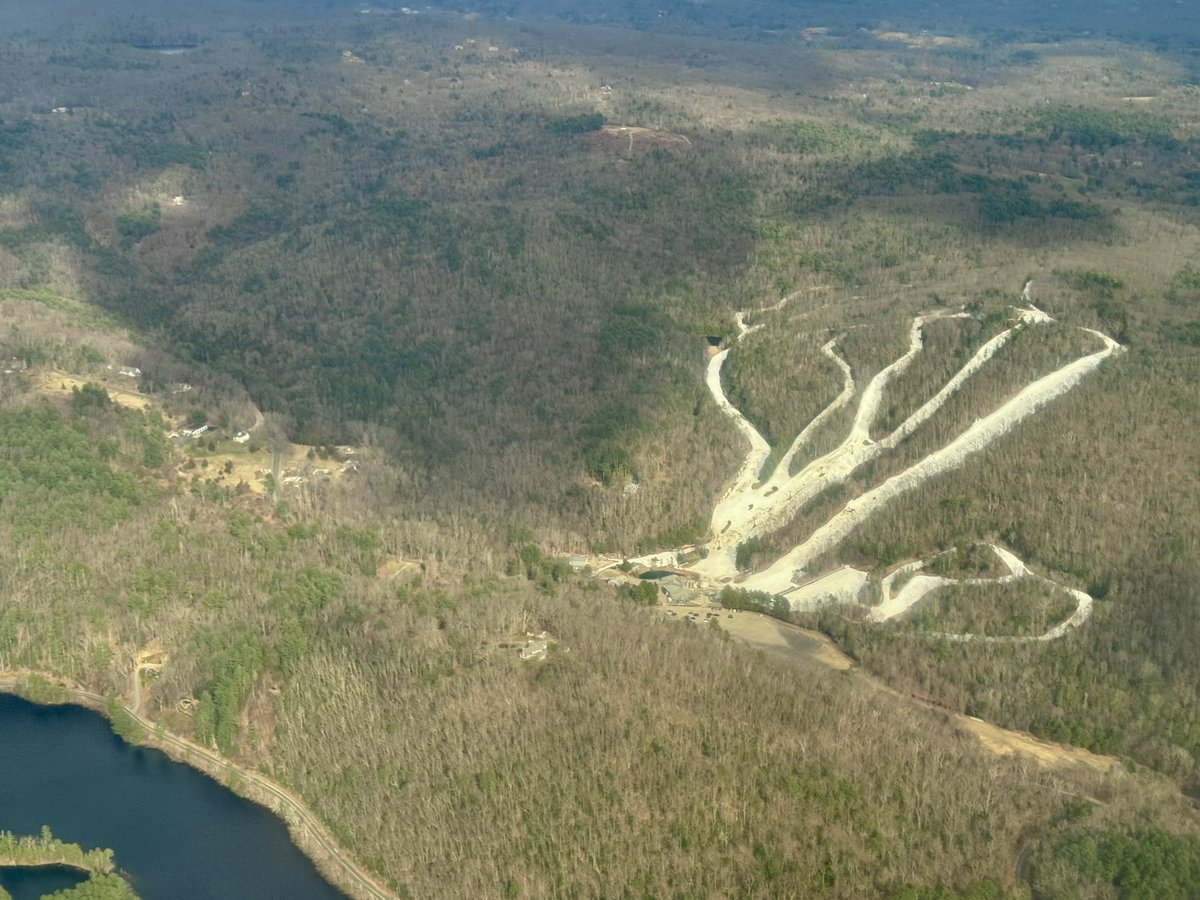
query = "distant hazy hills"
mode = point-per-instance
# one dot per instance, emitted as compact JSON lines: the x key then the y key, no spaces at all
{"x":1156,"y":19}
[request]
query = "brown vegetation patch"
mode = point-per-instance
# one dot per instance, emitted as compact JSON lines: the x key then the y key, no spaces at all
{"x":635,"y":139}
{"x":1004,"y":742}
{"x":393,"y":568}
{"x":258,"y":721}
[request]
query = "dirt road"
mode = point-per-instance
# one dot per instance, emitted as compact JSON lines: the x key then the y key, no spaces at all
{"x":920,"y":585}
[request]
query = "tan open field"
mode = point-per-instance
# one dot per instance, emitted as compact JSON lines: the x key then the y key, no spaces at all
{"x":60,"y":384}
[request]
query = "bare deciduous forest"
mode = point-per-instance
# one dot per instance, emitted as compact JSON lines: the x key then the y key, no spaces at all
{"x":327,"y":335}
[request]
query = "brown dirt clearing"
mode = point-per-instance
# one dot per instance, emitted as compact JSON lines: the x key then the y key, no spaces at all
{"x":773,"y":636}
{"x":1003,"y":742}
{"x":393,"y":568}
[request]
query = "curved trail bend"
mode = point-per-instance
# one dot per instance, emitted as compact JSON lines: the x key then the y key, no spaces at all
{"x":921,"y":585}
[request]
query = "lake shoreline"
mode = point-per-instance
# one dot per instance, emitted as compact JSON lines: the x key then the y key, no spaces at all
{"x":306,"y":831}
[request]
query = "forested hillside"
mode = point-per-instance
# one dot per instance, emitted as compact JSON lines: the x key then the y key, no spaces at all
{"x":348,"y":661}
{"x":329,"y":334}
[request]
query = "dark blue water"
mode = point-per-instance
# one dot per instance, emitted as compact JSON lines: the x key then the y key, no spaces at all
{"x":176,"y":833}
{"x":34,"y":882}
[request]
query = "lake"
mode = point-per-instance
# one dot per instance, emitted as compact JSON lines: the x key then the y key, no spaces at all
{"x":176,"y":833}
{"x":32,"y":882}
